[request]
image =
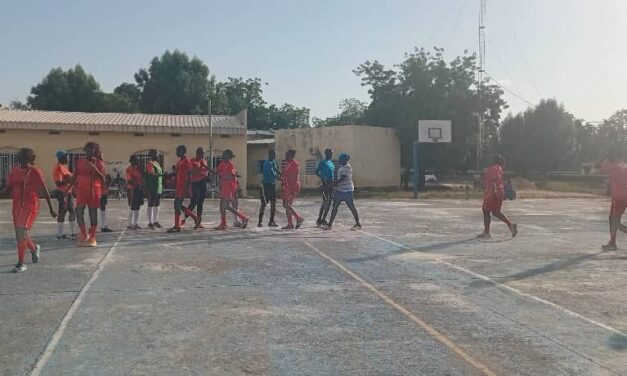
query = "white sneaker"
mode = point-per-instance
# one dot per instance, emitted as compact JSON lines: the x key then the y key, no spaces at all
{"x":484,"y":235}
{"x":36,"y":254}
{"x":19,"y":268}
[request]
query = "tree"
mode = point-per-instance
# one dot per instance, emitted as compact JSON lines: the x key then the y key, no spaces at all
{"x":543,"y":138}
{"x":71,"y":90}
{"x":426,"y":86}
{"x":18,"y":105}
{"x":174,"y":84}
{"x":352,"y":111}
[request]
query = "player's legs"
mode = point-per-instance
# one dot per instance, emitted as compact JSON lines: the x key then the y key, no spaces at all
{"x":351,"y":205}
{"x":336,"y":205}
{"x":323,"y":206}
{"x":487,"y":220}
{"x":104,"y":201}
{"x":69,"y":201}
{"x":201,"y":195}
{"x":262,"y":208}
{"x":272,"y":212}
{"x":193,"y":200}
{"x":223,"y":207}
{"x":20,"y":238}
{"x":62,"y":200}
{"x":93,"y":219}
{"x":616,"y":212}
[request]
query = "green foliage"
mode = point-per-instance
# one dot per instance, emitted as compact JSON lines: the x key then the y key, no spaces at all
{"x":71,"y":90}
{"x":426,"y":86}
{"x":352,"y":111}
{"x":174,"y":84}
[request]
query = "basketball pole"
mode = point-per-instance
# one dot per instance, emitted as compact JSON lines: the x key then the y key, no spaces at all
{"x":415,"y":163}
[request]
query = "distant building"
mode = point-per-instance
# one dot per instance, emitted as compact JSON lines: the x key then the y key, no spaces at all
{"x":375,"y":152}
{"x":120,"y":135}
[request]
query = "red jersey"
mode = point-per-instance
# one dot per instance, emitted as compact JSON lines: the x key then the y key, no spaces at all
{"x":618,"y":179}
{"x":60,"y":173}
{"x":494,"y":178}
{"x":201,"y":170}
{"x":291,"y":180}
{"x":133,"y":177}
{"x":87,"y":180}
{"x":25,"y":184}
{"x":228,"y":176}
{"x":183,"y":168}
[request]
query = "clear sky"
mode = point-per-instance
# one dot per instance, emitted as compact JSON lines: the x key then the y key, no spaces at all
{"x":572,"y":50}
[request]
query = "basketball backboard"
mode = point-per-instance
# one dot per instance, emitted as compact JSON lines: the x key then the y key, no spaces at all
{"x":434,"y":131}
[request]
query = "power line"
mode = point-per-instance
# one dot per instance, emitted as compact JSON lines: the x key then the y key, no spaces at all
{"x":509,"y":90}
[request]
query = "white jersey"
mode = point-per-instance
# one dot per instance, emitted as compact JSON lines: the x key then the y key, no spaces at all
{"x":345,"y":185}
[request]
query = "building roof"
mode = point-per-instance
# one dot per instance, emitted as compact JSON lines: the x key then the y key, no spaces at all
{"x":261,"y":141}
{"x":121,"y":122}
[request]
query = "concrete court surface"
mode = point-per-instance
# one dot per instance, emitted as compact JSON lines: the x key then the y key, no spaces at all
{"x":413,"y":294}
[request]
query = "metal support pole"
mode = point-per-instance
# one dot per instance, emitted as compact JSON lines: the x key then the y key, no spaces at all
{"x":415,"y":162}
{"x":211,"y":164}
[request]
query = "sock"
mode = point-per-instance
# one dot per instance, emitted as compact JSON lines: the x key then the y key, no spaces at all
{"x":177,"y":220}
{"x":83,"y":230}
{"x":31,"y":245}
{"x":223,"y":219}
{"x":103,"y":218}
{"x":21,"y":251}
{"x":289,"y":220}
{"x":188,"y":213}
{"x":130,"y":218}
{"x":135,"y":217}
{"x":149,"y":214}
{"x":72,"y":227}
{"x":155,"y":214}
{"x":297,"y":216}
{"x":92,"y":231}
{"x":60,"y":228}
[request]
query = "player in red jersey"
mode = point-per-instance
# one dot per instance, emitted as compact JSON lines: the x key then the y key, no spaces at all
{"x":291,"y":188}
{"x":134,"y":184}
{"x":228,"y":190}
{"x":198,"y":179}
{"x":183,"y":171}
{"x":62,"y":178}
{"x":614,"y":168}
{"x":494,"y":194}
{"x":25,"y":182}
{"x":89,"y":177}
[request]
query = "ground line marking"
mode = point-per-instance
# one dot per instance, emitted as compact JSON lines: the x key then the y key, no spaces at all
{"x":56,"y":337}
{"x":442,"y":338}
{"x":506,"y":287}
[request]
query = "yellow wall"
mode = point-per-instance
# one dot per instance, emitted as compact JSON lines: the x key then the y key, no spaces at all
{"x":375,"y":152}
{"x":117,"y":147}
{"x":256,"y":153}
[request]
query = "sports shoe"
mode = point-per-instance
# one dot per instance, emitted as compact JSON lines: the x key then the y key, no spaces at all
{"x":174,"y":230}
{"x":106,"y":229}
{"x":62,"y":237}
{"x":259,"y":224}
{"x":272,"y":224}
{"x":82,"y":242}
{"x":198,"y":223}
{"x":484,"y":235}
{"x":288,"y":227}
{"x":222,"y":228}
{"x":157,"y":225}
{"x":91,"y":242}
{"x":514,"y":230}
{"x":73,"y":236}
{"x":244,"y":222}
{"x":137,"y":227}
{"x":357,"y":227}
{"x":35,"y":254}
{"x":299,"y":222}
{"x":609,"y":247}
{"x":19,"y":267}
{"x":151,"y":226}
{"x":130,"y":227}
{"x":319,"y":223}
{"x":237,"y":224}
{"x":326,"y":227}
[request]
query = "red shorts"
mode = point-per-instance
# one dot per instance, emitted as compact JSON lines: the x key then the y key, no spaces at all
{"x":228,"y":195}
{"x":88,"y":200}
{"x":492,"y":204}
{"x":618,"y":206}
{"x":25,"y":216}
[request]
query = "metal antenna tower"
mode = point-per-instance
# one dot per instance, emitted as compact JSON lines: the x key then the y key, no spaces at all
{"x":480,"y":73}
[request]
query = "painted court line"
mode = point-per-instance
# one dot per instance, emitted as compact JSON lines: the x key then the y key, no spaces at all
{"x":56,"y":337}
{"x":506,"y":287}
{"x":410,"y":315}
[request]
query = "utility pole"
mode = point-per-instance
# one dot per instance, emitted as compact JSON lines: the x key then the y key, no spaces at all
{"x":480,"y":73}
{"x":211,"y":166}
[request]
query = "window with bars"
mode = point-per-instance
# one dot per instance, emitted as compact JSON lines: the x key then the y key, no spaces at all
{"x":7,"y":161}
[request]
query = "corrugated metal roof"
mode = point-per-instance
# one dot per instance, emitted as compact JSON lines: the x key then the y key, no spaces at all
{"x":121,"y":122}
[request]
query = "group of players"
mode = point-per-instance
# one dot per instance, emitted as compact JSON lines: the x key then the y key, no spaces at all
{"x":85,"y":188}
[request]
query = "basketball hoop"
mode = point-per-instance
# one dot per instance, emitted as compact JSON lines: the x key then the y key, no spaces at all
{"x":435,"y":134}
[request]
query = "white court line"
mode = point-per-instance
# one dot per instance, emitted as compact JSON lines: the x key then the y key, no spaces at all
{"x":409,"y":314}
{"x":506,"y":287}
{"x":56,"y":337}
